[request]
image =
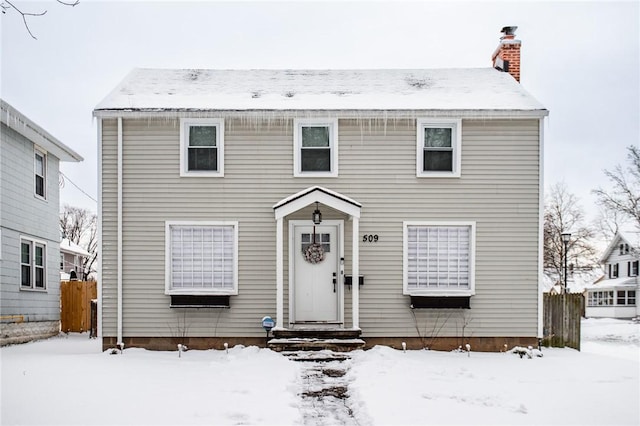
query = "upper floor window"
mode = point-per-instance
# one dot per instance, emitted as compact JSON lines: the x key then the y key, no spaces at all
{"x":614,"y":270}
{"x":439,"y":144}
{"x":201,"y":147}
{"x":40,"y":171}
{"x":315,"y":148}
{"x":439,"y":259}
{"x":32,"y":264}
{"x":633,"y":268}
{"x":202,"y":258}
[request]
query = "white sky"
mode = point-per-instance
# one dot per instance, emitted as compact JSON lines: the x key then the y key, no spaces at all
{"x":580,"y":59}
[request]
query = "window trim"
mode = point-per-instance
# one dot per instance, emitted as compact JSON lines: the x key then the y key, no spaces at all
{"x":33,"y":242}
{"x":213,"y":292}
{"x":37,"y":151}
{"x":438,"y":292}
{"x":456,"y":144}
{"x":185,"y":124}
{"x":298,"y":124}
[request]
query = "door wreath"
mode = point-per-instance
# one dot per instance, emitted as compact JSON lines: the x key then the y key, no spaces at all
{"x":314,"y":253}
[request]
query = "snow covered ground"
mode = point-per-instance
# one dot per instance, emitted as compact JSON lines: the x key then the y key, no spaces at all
{"x":67,"y":380}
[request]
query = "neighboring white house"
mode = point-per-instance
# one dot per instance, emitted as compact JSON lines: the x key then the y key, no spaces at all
{"x":616,"y":296}
{"x":398,"y":205}
{"x":29,"y":227}
{"x":72,"y":258}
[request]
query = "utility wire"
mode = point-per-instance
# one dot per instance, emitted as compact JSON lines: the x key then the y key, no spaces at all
{"x":65,"y":177}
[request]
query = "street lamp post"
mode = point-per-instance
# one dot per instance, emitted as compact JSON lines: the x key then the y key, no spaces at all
{"x":565,"y":239}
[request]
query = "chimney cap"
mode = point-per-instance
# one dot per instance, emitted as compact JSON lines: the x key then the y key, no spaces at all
{"x":511,"y":30}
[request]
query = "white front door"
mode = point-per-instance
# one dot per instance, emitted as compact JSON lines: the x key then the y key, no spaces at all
{"x":315,"y":269}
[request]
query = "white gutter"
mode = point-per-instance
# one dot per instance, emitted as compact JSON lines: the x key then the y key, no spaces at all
{"x":99,"y":230}
{"x":276,"y":114}
{"x":119,"y":238}
{"x":541,"y":232}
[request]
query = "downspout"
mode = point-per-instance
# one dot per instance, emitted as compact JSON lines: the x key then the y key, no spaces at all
{"x":541,"y":230}
{"x":355,"y":273}
{"x":119,"y":237}
{"x":99,"y":230}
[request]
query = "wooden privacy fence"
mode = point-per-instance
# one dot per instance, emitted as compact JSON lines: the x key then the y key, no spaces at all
{"x":75,"y":305}
{"x":562,"y":314}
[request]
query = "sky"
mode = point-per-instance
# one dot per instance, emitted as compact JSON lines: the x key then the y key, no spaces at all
{"x":579,"y":59}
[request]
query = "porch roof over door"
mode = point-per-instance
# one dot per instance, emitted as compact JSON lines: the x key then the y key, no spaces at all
{"x":317,"y":194}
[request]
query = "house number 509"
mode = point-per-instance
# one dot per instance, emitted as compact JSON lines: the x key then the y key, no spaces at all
{"x":370,"y":238}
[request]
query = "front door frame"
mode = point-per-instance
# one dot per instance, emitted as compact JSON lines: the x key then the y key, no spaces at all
{"x":339,"y":224}
{"x":336,"y":201}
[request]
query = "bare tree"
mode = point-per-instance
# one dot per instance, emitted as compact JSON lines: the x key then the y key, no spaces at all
{"x":624,"y":197}
{"x":563,"y":214}
{"x":80,"y":226}
{"x":7,"y":5}
{"x":608,"y":223}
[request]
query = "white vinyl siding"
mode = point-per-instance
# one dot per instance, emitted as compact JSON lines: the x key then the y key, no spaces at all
{"x":202,"y":147}
{"x":202,"y":258}
{"x":315,"y":148}
{"x":438,"y":259}
{"x":439,"y":144}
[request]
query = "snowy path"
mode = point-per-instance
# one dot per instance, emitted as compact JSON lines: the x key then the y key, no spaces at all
{"x":323,"y":389}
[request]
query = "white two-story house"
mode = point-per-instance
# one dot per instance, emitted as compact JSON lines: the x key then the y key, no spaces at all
{"x":29,"y":227}
{"x":615,"y":296}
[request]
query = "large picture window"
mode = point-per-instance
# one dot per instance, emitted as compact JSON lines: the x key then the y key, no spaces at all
{"x":315,"y":148}
{"x":202,"y":258}
{"x":438,"y":148}
{"x":439,"y":259}
{"x":202,"y":147}
{"x":33,"y":264}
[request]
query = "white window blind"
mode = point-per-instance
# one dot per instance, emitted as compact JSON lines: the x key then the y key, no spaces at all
{"x":202,"y":257}
{"x":438,"y":257}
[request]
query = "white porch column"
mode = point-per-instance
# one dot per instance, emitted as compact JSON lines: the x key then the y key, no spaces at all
{"x":355,"y":271}
{"x":279,"y":273}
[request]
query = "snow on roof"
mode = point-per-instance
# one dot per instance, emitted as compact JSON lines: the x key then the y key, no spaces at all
{"x":577,"y":281}
{"x":69,"y":246}
{"x":22,"y":124}
{"x":474,"y":89}
{"x":614,"y":283}
{"x":617,"y":239}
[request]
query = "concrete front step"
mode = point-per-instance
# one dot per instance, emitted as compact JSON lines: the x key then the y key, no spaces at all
{"x":314,"y":344}
{"x":316,"y":356}
{"x":316,"y":333}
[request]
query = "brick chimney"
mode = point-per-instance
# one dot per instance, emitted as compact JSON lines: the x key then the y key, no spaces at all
{"x":507,"y":55}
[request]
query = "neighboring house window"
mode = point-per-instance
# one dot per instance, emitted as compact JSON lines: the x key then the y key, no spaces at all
{"x":600,"y":298}
{"x":626,"y":297}
{"x":315,"y":148}
{"x":439,"y":258}
{"x":202,"y":258}
{"x":201,"y":147}
{"x":40,"y":169}
{"x":61,"y":261}
{"x":32,"y":264}
{"x":614,"y":270}
{"x":438,"y":148}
